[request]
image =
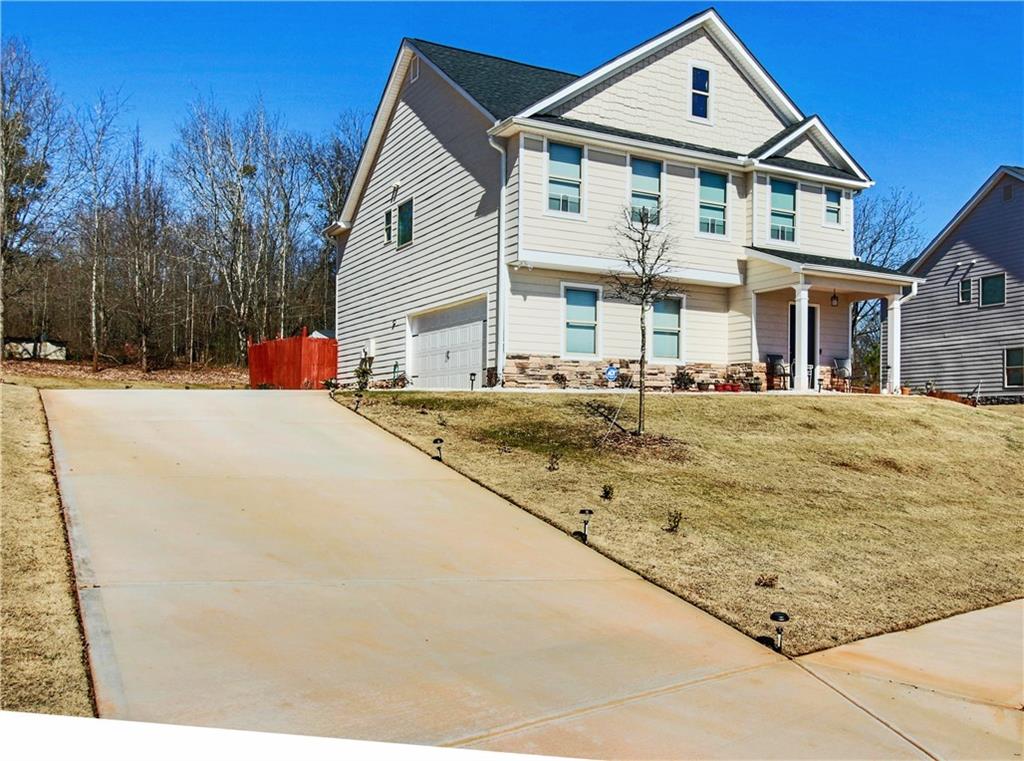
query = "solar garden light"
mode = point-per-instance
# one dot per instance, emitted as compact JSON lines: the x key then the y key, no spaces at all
{"x":779,"y":618}
{"x":472,"y":380}
{"x":359,"y":399}
{"x":438,"y":442}
{"x":586,"y":513}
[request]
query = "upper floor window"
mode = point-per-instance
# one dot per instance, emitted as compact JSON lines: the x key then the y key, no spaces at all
{"x":700,"y":92}
{"x":1013,"y":365}
{"x":387,"y":226}
{"x":405,"y":223}
{"x":964,"y":293}
{"x":414,"y":69}
{"x":645,"y":197}
{"x":581,"y":321}
{"x":667,"y":328}
{"x":713,"y":194}
{"x":833,"y":207}
{"x":993,"y":290}
{"x":565,"y":178}
{"x":783,"y":210}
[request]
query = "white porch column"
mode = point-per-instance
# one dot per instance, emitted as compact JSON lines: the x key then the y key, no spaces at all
{"x":893,"y":344}
{"x":800,"y":337}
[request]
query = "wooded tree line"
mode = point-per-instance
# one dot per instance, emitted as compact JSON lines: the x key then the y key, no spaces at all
{"x":126,"y":256}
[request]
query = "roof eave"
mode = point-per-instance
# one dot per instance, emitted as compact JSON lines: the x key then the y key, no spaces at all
{"x":802,"y":267}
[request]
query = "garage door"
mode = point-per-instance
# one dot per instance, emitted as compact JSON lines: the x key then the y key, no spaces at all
{"x":448,"y":345}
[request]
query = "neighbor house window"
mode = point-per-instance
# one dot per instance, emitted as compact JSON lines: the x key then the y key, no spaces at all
{"x":712,"y":202}
{"x":565,"y":177}
{"x":993,"y":290}
{"x":645,"y":197}
{"x":414,"y":70}
{"x":833,"y":207}
{"x":667,"y":313}
{"x":964,"y":294}
{"x":580,"y":321}
{"x":783,"y":212}
{"x":700,"y":92}
{"x":387,"y":226}
{"x":1013,"y":361}
{"x":405,"y":223}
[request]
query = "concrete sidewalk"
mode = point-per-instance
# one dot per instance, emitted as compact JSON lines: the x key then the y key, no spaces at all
{"x":271,"y":561}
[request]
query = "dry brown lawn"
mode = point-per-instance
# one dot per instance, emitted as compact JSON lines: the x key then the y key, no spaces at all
{"x":858,"y":514}
{"x":41,"y":647}
{"x":45,"y":374}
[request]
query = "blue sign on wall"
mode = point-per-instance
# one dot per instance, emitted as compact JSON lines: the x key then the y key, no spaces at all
{"x":611,"y":373}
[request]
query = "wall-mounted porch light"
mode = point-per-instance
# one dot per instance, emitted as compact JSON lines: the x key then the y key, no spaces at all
{"x":834,"y":301}
{"x":779,"y":618}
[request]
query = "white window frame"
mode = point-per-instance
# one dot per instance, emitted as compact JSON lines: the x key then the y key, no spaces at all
{"x":661,"y":185}
{"x":668,"y":361}
{"x":960,"y":291}
{"x":796,"y":212}
{"x":1006,"y":366}
{"x":710,"y":118}
{"x":598,"y":331}
{"x":414,"y":69}
{"x":399,"y":246}
{"x":981,"y":290}
{"x":696,"y":208}
{"x":825,"y":206}
{"x":582,"y":216}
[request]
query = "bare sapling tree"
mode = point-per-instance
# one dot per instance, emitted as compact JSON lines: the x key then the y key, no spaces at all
{"x":644,"y":248}
{"x":885,"y":233}
{"x":98,"y":156}
{"x":37,"y":174}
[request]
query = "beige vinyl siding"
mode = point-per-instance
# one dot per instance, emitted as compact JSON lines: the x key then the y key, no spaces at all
{"x":758,"y":276}
{"x":805,"y":150}
{"x":653,"y":96}
{"x":535,"y":315}
{"x":605,"y":198}
{"x":512,"y":196}
{"x":436,"y":147}
{"x":812,"y":235}
{"x":773,"y":325}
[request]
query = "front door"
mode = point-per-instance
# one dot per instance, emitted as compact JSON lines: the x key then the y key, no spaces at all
{"x":812,"y":343}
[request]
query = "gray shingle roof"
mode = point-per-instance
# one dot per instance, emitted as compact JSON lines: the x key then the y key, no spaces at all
{"x":501,"y":86}
{"x":827,"y":261}
{"x":809,"y":166}
{"x":633,"y":135}
{"x":779,"y":136}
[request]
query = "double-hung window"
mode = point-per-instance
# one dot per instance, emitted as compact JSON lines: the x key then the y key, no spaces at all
{"x":783,"y":210}
{"x":405,"y":223}
{"x":713,"y":194}
{"x":667,"y":328}
{"x":565,"y":178}
{"x":581,"y":321}
{"x":963,"y":295}
{"x":700,"y":92}
{"x":833,"y":207}
{"x":387,"y":226}
{"x":1013,"y":367}
{"x":645,"y":197}
{"x":992,"y":290}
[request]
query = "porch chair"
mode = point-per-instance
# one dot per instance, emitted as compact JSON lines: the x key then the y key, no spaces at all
{"x":777,"y":372}
{"x":842,"y":374}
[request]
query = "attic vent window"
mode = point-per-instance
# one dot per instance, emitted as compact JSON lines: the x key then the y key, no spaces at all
{"x":414,"y":70}
{"x":1007,"y":192}
{"x":700,"y":95}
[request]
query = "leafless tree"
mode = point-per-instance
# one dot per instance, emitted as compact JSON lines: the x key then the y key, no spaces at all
{"x":37,"y":176}
{"x":643,"y":248}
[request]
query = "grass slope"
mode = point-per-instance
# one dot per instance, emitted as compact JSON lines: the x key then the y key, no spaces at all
{"x":41,"y":648}
{"x":875,"y":514}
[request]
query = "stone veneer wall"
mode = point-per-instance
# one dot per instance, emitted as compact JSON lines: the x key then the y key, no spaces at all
{"x":539,"y":370}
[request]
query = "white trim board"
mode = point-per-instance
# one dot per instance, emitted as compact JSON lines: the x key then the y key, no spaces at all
{"x":603,"y":265}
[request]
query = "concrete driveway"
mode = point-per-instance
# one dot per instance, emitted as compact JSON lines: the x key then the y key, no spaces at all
{"x":271,"y":561}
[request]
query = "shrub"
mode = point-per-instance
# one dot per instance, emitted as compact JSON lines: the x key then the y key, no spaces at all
{"x":683,"y":380}
{"x":767,"y":580}
{"x":554,"y":460}
{"x":442,"y":420}
{"x":607,"y":492}
{"x":560,"y":380}
{"x":364,"y":373}
{"x":675,"y":517}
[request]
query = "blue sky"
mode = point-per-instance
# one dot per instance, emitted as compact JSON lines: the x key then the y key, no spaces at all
{"x":928,"y":96}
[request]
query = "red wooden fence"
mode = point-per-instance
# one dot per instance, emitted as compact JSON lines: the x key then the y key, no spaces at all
{"x":299,"y":362}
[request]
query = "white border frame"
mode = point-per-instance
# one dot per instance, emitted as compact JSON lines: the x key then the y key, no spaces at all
{"x":414,"y":69}
{"x":727,"y":238}
{"x":599,"y":328}
{"x":584,"y":161}
{"x":692,"y":64}
{"x":959,"y":292}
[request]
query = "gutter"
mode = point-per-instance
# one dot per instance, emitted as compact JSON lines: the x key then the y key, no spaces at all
{"x":501,"y":307}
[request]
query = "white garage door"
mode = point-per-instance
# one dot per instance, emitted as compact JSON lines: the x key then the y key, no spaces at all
{"x":448,"y":345}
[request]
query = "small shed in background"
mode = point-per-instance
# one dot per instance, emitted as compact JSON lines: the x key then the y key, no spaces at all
{"x":300,"y":362}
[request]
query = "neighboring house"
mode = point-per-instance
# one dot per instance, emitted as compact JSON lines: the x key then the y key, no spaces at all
{"x":42,"y":347}
{"x":964,"y":330}
{"x":478,"y":235}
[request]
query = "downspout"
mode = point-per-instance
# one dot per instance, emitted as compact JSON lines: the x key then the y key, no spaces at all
{"x":502,"y":301}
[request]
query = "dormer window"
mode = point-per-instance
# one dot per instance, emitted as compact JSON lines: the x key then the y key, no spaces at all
{"x":700,"y":92}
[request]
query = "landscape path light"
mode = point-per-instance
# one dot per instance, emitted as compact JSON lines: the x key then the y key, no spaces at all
{"x":586,"y":513}
{"x":779,"y":618}
{"x":472,"y":380}
{"x":438,"y":442}
{"x":359,"y":399}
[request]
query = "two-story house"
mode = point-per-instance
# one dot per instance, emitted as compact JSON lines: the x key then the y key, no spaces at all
{"x":964,"y":331}
{"x":476,"y":243}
